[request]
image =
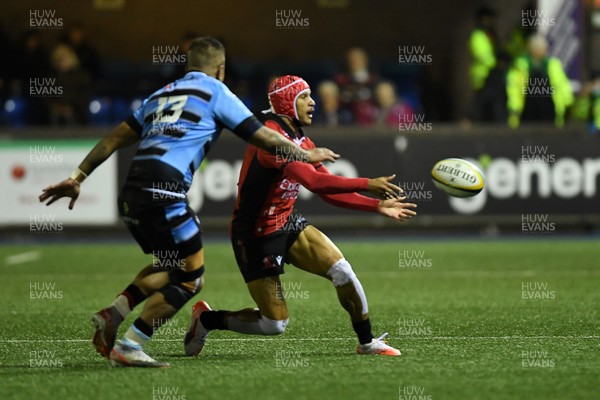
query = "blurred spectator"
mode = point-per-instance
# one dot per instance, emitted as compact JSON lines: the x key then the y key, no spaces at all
{"x":488,"y":72}
{"x":32,"y":62}
{"x":178,"y":71}
{"x":391,"y":110}
{"x":483,"y":44}
{"x":357,"y":85}
{"x":516,"y":45}
{"x":89,"y":59}
{"x":587,"y":104}
{"x":235,"y":80}
{"x":328,"y":111}
{"x":490,"y":101}
{"x":72,"y":106}
{"x":6,"y":69}
{"x":537,"y":87}
{"x":33,"y":59}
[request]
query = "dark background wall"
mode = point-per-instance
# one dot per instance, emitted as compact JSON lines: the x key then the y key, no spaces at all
{"x":248,"y":27}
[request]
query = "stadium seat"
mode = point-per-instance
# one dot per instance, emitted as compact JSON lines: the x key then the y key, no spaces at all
{"x":14,"y":111}
{"x":121,"y":108}
{"x":99,"y":111}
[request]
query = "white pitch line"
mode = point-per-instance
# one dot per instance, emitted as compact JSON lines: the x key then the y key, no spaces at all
{"x":496,"y":337}
{"x":22,"y":258}
{"x":319,"y":339}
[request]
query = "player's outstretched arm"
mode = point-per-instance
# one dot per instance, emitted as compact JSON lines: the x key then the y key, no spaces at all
{"x":397,"y":209}
{"x":384,"y":188}
{"x":275,"y":143}
{"x":392,"y":208}
{"x":121,"y":136}
{"x":325,"y":182}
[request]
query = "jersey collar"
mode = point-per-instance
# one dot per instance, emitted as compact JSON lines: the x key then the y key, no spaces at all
{"x":194,"y":74}
{"x":294,"y":135}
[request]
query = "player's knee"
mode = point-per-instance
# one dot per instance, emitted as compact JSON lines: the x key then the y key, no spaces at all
{"x":272,"y":327}
{"x":341,"y":273}
{"x":194,"y":286}
{"x":182,"y":286}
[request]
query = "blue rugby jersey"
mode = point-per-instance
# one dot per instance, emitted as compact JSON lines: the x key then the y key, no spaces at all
{"x":178,"y":124}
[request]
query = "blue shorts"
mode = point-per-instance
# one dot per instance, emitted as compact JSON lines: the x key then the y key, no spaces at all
{"x":172,"y":229}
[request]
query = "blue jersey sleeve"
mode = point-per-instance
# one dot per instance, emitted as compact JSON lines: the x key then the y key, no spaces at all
{"x":234,"y":115}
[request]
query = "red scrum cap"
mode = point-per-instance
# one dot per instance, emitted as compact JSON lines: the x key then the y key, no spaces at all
{"x":283,"y":93}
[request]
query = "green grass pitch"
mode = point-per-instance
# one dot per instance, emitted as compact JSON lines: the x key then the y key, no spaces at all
{"x":513,"y":319}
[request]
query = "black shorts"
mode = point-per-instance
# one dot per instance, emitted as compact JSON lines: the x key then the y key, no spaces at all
{"x":167,"y":231}
{"x":260,"y":257}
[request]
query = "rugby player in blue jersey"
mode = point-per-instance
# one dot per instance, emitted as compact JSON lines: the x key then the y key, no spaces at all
{"x":175,"y":127}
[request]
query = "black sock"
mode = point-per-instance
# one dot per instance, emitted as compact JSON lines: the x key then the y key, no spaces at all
{"x":213,"y":319}
{"x":143,"y":327}
{"x":363,"y":331}
{"x":134,"y":296}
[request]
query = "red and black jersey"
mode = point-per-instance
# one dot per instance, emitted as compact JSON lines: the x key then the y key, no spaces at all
{"x":269,"y":184}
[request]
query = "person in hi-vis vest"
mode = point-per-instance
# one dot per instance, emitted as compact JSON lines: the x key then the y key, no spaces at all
{"x":482,"y":45}
{"x":587,"y":104}
{"x":538,"y":89}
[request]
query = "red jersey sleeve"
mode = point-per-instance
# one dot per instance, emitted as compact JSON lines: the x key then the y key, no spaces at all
{"x":352,"y":201}
{"x":320,"y":182}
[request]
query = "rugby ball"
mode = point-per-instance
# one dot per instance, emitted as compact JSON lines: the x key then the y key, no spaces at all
{"x":457,"y":177}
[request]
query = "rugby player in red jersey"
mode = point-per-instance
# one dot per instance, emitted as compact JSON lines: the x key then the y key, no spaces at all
{"x":266,"y":234}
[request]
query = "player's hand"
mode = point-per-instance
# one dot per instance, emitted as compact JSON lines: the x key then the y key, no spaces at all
{"x":384,"y":188}
{"x":397,"y":209}
{"x":67,"y":188}
{"x":321,"y":154}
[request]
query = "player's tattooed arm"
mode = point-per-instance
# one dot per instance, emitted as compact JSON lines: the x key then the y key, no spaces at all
{"x":275,"y":143}
{"x":121,"y":136}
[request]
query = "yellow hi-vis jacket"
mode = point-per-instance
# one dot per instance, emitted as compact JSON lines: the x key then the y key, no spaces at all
{"x":484,"y":59}
{"x":588,"y":109}
{"x":596,"y":114}
{"x":517,"y":81}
